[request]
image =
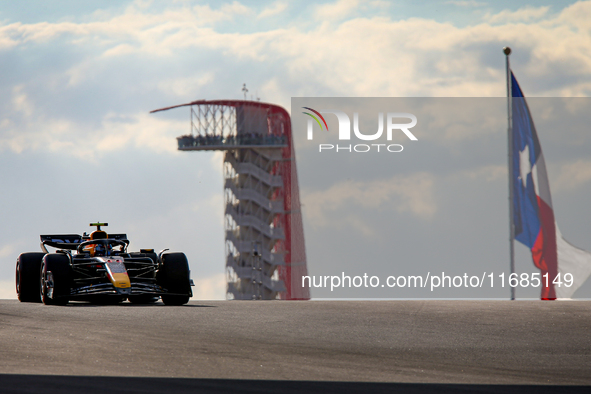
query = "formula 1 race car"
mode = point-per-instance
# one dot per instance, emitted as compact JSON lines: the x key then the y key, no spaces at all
{"x":98,"y":268}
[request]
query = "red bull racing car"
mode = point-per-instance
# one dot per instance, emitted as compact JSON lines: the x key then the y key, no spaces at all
{"x":99,"y":268}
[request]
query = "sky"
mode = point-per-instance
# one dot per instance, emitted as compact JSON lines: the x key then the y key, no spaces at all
{"x":77,"y":142}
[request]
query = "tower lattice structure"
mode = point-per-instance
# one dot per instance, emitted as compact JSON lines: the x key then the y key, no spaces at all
{"x":265,"y":250}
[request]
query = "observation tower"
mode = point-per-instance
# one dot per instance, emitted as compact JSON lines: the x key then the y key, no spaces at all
{"x":265,"y":251}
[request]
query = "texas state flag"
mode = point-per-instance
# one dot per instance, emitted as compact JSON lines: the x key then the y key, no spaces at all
{"x":533,"y":216}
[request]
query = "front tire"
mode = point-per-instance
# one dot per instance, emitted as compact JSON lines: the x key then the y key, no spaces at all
{"x":59,"y":266}
{"x":173,"y":275}
{"x":175,"y":300}
{"x":27,"y":274}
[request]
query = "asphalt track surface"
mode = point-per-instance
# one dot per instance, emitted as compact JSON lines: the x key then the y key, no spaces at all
{"x":293,"y":347}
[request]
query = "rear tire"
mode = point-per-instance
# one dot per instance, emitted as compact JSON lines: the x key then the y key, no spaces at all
{"x":27,"y":276}
{"x":173,"y":275}
{"x":59,"y":266}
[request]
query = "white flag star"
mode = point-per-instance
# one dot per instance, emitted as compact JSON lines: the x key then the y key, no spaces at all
{"x":524,"y":165}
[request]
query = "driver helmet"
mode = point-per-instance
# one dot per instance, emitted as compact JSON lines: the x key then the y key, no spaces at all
{"x":98,"y":234}
{"x":97,"y":249}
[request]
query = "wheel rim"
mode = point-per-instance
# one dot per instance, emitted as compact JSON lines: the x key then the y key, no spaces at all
{"x":42,"y":284}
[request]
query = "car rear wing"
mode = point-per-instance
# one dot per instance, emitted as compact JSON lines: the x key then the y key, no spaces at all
{"x":71,"y":241}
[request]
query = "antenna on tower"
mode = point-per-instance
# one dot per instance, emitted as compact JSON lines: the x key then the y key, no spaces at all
{"x":244,"y":90}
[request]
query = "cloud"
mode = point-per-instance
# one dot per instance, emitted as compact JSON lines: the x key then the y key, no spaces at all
{"x":480,"y":117}
{"x":217,"y":163}
{"x":274,"y":9}
{"x":21,"y":102}
{"x":337,"y":10}
{"x":141,"y":130}
{"x":186,"y":87}
{"x":7,"y":251}
{"x":490,"y":173}
{"x":577,"y":15}
{"x":466,"y":3}
{"x":413,"y":194}
{"x":88,"y":143}
{"x":136,"y":24}
{"x":412,"y":57}
{"x":573,"y":175}
{"x":224,"y":13}
{"x":122,"y":49}
{"x":380,"y":4}
{"x":7,"y":290}
{"x":525,"y":14}
{"x":210,"y":288}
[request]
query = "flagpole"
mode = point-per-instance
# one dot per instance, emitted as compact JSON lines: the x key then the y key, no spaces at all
{"x":507,"y":52}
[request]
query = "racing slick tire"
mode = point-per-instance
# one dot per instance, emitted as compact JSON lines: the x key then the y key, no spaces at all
{"x":173,"y":275}
{"x":59,"y":266}
{"x":27,"y":276}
